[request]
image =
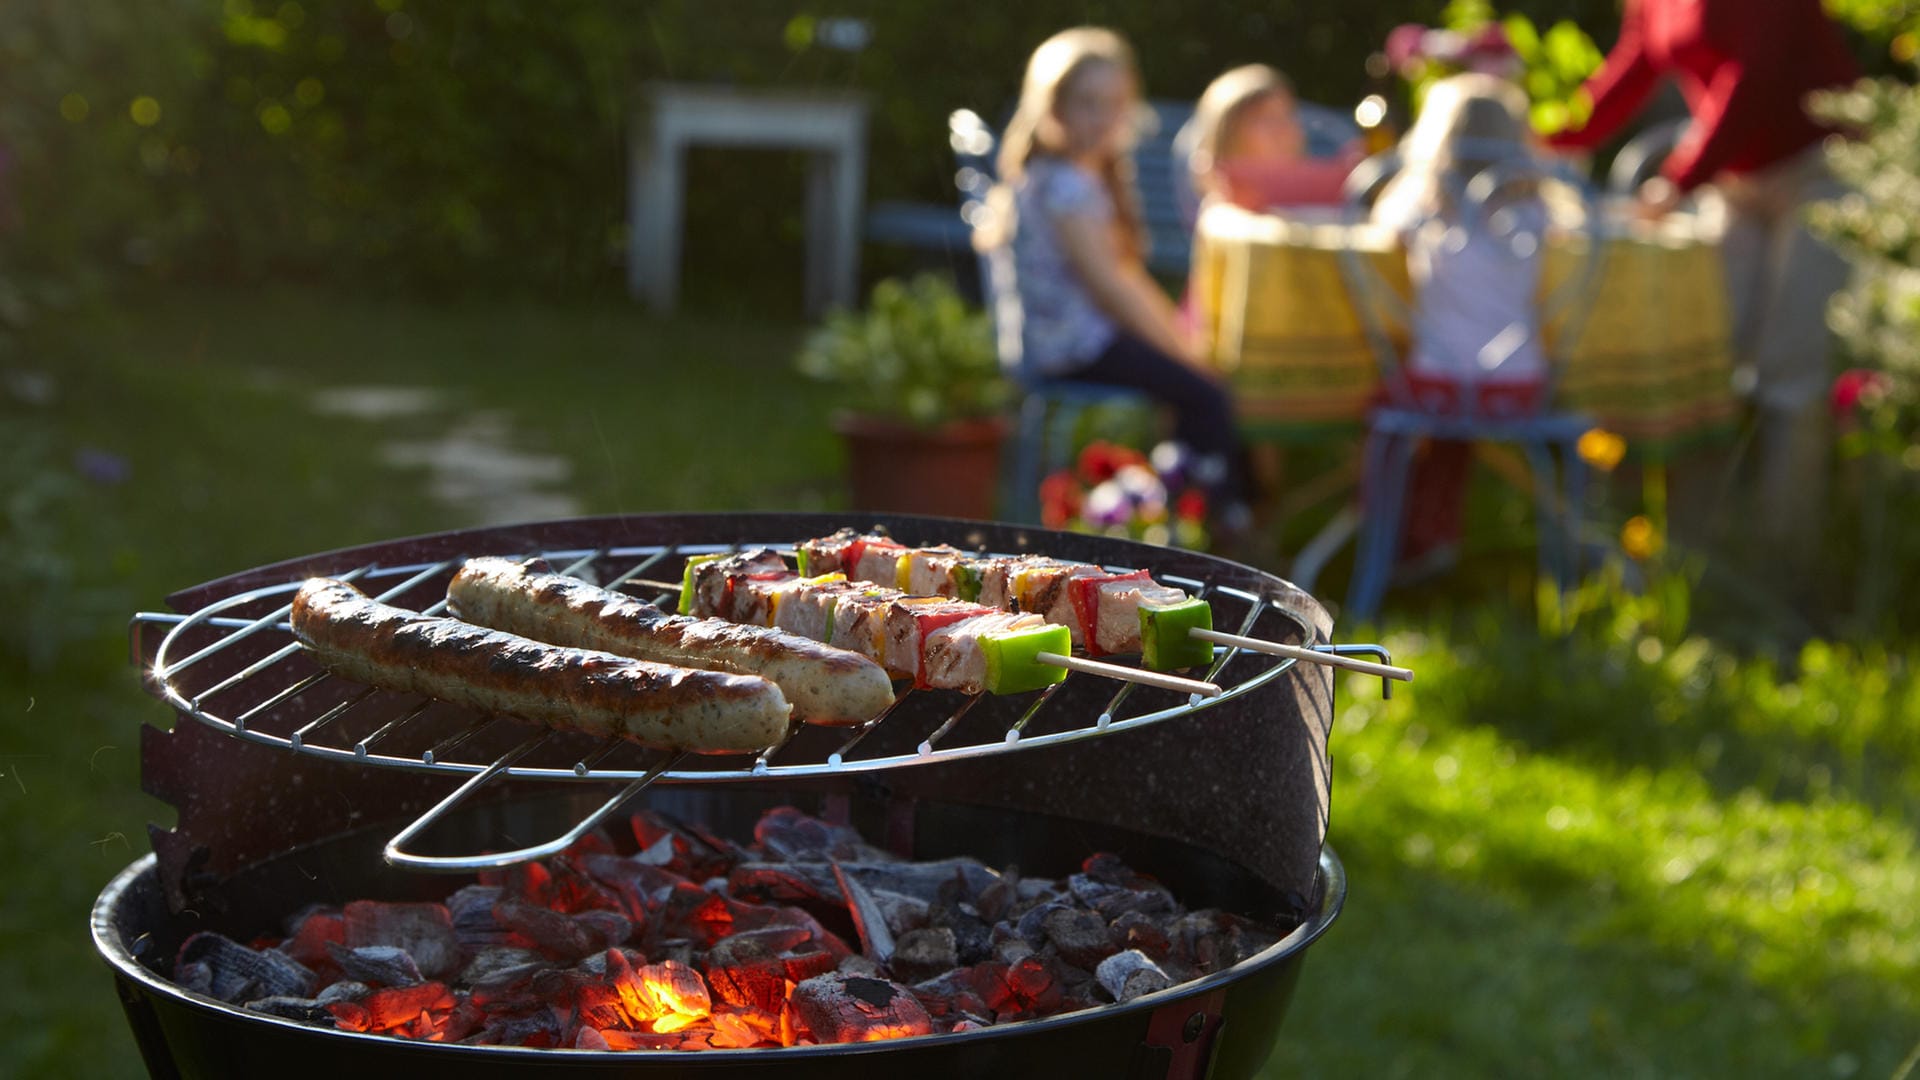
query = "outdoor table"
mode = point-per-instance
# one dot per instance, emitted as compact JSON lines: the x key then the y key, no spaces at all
{"x":1652,"y":360}
{"x":832,"y":127}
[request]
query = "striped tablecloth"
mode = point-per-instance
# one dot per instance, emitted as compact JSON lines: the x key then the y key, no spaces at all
{"x":1653,"y":361}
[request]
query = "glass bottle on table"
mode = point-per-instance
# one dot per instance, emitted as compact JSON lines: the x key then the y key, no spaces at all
{"x":1378,"y":113}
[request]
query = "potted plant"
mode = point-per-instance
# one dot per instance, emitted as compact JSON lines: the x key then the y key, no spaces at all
{"x":923,"y":398}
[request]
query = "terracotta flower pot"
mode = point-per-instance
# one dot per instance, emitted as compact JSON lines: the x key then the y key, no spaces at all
{"x":951,"y":471}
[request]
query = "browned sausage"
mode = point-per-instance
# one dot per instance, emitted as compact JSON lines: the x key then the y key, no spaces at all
{"x":576,"y":689}
{"x":826,"y":685}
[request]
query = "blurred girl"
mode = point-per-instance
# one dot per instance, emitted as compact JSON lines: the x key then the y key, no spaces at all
{"x":1245,"y":145}
{"x":1476,"y":273}
{"x":1067,"y":242}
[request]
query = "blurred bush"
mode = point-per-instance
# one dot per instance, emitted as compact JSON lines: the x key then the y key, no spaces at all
{"x":1877,"y":320}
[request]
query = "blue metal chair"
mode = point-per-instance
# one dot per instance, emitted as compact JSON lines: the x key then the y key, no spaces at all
{"x":1397,"y":428}
{"x":1050,"y":408}
{"x":1643,"y":155}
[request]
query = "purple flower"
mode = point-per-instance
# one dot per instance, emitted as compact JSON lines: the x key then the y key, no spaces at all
{"x":1107,"y":505}
{"x":1170,"y":459}
{"x":101,"y":466}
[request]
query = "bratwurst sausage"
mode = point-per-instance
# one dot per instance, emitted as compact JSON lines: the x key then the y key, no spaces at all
{"x":575,"y":689}
{"x":826,"y":685}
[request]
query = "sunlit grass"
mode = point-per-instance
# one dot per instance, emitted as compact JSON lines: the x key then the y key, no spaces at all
{"x":1542,"y":886}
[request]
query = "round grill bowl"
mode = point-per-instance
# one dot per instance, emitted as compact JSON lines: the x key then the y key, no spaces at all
{"x":184,"y":1034}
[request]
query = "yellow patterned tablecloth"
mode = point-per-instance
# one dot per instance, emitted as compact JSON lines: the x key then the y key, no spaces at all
{"x":1653,"y":361}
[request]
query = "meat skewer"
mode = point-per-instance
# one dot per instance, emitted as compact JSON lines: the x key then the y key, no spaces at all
{"x":940,"y":642}
{"x":1108,"y":613}
{"x":825,"y":685}
{"x":651,"y":704}
{"x":1105,"y":612}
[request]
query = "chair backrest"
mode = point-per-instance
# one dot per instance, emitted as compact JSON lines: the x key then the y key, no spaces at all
{"x":973,"y":144}
{"x":1643,"y":155}
{"x":1161,"y":179}
{"x":1485,"y":209}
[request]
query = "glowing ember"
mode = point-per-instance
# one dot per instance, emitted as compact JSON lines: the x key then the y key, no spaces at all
{"x":695,"y":943}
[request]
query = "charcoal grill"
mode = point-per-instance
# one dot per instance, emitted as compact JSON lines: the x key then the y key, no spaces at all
{"x":285,"y":776}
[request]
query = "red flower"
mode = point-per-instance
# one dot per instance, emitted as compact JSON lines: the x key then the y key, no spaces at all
{"x":1096,"y":462}
{"x":1851,"y":386}
{"x":1101,"y":459}
{"x":1191,"y":505}
{"x":1060,"y":496}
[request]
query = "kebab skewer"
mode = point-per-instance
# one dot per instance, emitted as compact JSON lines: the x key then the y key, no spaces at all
{"x":1105,"y":612}
{"x":939,"y":642}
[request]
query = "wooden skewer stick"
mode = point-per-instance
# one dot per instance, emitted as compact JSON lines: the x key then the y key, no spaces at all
{"x":1311,"y":656}
{"x":1130,"y":674}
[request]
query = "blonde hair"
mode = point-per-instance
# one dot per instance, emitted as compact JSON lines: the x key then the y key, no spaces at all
{"x":1058,"y":61}
{"x":1224,"y":105}
{"x":1467,"y":123}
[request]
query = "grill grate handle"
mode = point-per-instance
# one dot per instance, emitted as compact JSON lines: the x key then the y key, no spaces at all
{"x":396,"y":854}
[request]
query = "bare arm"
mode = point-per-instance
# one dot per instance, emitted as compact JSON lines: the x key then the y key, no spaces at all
{"x":1120,"y":285}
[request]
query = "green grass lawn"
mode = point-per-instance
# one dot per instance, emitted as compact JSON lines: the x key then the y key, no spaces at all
{"x":1599,"y":856}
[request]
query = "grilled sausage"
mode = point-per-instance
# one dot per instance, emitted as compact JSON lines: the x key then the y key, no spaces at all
{"x":826,"y":685}
{"x":576,"y":689}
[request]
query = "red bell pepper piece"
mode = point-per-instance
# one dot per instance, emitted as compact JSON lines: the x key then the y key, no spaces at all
{"x":850,"y":557}
{"x":1086,"y":603}
{"x":930,"y":621}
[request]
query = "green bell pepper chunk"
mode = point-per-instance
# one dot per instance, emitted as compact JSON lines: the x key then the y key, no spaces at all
{"x":1011,"y":666}
{"x":800,"y":560}
{"x":966,"y":582}
{"x":1165,"y":643}
{"x":686,"y":579}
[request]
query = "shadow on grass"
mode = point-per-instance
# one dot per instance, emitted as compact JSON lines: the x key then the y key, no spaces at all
{"x":1430,"y":976}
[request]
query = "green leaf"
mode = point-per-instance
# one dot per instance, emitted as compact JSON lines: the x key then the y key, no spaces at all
{"x":1523,"y":36}
{"x":1570,"y":51}
{"x":1549,"y":117}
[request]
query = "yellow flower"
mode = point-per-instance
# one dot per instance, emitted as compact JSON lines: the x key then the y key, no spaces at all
{"x":1640,"y":539}
{"x":1601,"y":449}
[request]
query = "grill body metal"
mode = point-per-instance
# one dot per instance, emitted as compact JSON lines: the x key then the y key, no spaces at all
{"x":1239,"y":1010}
{"x":1237,"y":789}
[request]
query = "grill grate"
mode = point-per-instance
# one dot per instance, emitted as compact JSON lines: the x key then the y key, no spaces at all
{"x":233,"y":664}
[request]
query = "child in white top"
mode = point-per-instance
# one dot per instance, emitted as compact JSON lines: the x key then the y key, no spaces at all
{"x":1475,"y":264}
{"x":1474,"y":258}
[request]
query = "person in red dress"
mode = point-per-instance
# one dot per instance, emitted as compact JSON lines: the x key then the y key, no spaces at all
{"x":1745,"y":68}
